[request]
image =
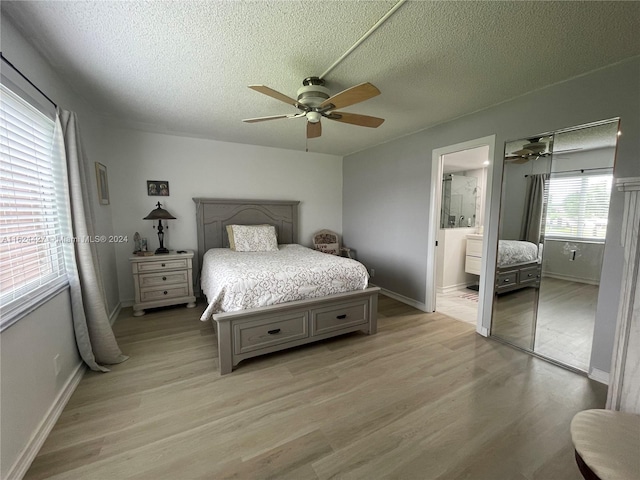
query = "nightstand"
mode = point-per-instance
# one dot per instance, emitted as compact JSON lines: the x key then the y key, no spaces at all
{"x":161,"y":280}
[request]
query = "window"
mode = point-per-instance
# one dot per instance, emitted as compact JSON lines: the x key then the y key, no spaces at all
{"x":578,"y":206}
{"x":32,"y":213}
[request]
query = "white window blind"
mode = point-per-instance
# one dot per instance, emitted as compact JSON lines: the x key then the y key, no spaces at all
{"x":578,"y":206}
{"x":31,"y":256}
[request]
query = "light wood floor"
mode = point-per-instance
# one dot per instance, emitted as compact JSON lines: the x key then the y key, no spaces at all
{"x":563,"y":329}
{"x":425,"y":398}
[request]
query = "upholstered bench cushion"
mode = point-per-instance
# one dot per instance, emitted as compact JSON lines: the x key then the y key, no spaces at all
{"x":608,"y":442}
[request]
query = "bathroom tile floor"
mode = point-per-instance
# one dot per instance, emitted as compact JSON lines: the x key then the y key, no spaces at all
{"x":460,"y":304}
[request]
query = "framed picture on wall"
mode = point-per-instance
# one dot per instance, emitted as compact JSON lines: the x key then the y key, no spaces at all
{"x":103,"y":184}
{"x":157,"y":188}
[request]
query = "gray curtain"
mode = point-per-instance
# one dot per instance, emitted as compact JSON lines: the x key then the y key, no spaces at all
{"x":533,"y":208}
{"x":95,"y":339}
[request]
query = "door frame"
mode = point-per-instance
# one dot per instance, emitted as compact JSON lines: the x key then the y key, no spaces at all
{"x":484,"y":311}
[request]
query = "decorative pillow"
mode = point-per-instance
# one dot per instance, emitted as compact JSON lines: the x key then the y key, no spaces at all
{"x":253,"y":238}
{"x":332,"y":248}
{"x":232,"y":244}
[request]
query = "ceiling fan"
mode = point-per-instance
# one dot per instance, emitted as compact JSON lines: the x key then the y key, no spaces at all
{"x":314,"y":102}
{"x":536,"y":147}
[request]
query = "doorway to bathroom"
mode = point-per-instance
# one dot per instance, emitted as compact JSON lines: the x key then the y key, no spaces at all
{"x":460,"y":233}
{"x":461,"y":185}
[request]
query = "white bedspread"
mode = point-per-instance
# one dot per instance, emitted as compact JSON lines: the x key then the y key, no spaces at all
{"x":516,"y":251}
{"x":239,"y":280}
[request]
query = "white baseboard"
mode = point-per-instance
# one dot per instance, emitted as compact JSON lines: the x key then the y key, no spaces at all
{"x":28,"y":454}
{"x":406,"y":300}
{"x":452,"y":288}
{"x":569,"y":278}
{"x":484,"y":331}
{"x":599,"y":376}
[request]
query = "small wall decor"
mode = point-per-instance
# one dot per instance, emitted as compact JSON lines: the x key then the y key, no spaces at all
{"x":157,"y":188}
{"x":103,"y":184}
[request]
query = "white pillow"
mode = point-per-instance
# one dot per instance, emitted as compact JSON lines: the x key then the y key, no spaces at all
{"x":253,"y":238}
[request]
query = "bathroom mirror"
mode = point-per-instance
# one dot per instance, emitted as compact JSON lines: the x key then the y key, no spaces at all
{"x":459,"y":200}
{"x":553,"y":222}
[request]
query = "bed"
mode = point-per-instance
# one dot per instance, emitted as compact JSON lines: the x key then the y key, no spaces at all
{"x":518,"y":265}
{"x":248,"y":330}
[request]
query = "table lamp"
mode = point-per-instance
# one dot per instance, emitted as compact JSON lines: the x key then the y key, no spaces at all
{"x":160,"y":214}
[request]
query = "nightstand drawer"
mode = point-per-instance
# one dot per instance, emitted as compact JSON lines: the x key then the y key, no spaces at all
{"x":172,"y":291}
{"x":166,"y":278}
{"x":265,"y":333}
{"x":329,"y":319}
{"x":158,"y":265}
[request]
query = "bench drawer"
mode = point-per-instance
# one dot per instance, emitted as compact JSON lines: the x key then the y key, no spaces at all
{"x":506,"y":280}
{"x":329,"y":319}
{"x":528,"y":275}
{"x":254,"y":335}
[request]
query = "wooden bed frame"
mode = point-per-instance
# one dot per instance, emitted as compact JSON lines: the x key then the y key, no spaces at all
{"x":258,"y":331}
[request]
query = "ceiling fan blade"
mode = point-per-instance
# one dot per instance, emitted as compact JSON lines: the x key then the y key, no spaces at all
{"x":519,"y":159}
{"x":274,"y":94}
{"x":524,"y":151}
{"x":314,"y":130}
{"x":272,"y":117}
{"x":352,"y":95}
{"x":356,"y":119}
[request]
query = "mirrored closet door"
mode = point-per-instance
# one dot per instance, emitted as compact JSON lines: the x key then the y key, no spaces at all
{"x":553,"y":221}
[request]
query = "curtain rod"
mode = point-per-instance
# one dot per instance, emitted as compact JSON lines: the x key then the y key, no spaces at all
{"x":29,"y":81}
{"x":581,"y":170}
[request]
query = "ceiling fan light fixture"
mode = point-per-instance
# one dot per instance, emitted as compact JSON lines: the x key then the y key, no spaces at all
{"x":313,"y":117}
{"x":312,"y":95}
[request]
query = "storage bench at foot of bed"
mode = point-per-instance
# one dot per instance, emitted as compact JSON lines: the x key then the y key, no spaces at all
{"x":258,"y":331}
{"x":517,"y":276}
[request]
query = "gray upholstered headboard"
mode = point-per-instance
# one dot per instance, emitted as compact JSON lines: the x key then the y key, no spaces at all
{"x":214,"y":214}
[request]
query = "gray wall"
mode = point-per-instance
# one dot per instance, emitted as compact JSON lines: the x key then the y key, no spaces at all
{"x":386,"y":188}
{"x":584,"y":268}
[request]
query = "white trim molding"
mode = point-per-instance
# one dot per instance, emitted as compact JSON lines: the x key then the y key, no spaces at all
{"x":29,"y":452}
{"x":599,"y":376}
{"x":406,"y":300}
{"x":624,"y":386}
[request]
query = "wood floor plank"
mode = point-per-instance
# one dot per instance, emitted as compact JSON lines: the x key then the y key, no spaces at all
{"x":424,"y":398}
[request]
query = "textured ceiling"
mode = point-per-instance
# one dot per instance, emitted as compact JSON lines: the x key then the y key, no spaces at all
{"x":183,"y":66}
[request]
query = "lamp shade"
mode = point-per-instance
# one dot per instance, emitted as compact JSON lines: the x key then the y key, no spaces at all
{"x":159,"y":213}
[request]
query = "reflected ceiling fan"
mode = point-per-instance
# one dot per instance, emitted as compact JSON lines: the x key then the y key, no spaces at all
{"x":314,"y":102}
{"x":535,"y":148}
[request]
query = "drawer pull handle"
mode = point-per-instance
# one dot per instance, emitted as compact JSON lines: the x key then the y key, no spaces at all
{"x":506,"y":280}
{"x":531,"y":274}
{"x":165,"y":292}
{"x":163,"y":264}
{"x":164,"y":278}
{"x":341,"y":317}
{"x":273,"y":332}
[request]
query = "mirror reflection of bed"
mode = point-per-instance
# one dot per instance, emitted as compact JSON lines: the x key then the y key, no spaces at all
{"x":555,"y":197}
